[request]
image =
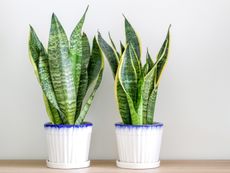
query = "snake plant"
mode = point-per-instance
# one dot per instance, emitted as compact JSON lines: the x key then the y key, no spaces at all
{"x":136,"y":85}
{"x":68,"y":72}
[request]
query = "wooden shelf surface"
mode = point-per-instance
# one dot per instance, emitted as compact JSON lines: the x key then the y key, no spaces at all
{"x":100,"y":166}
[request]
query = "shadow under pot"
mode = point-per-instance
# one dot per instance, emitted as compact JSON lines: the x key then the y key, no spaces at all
{"x":138,"y":145}
{"x":68,"y":145}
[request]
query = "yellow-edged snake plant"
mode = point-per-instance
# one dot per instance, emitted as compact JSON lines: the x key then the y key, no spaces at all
{"x":136,"y":85}
{"x":68,"y":71}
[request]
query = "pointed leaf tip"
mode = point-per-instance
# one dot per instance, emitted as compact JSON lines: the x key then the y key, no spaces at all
{"x":86,"y":11}
{"x":54,"y":18}
{"x":31,"y":28}
{"x":53,"y":15}
{"x":170,"y":26}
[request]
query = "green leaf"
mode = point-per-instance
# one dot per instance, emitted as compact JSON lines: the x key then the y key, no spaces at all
{"x":76,"y":50}
{"x":52,"y":112}
{"x":151,"y":106}
{"x":95,"y":71}
{"x":140,"y":78}
{"x":88,"y":103}
{"x":149,"y":60}
{"x":122,"y":47}
{"x":163,"y":56}
{"x":128,"y":75}
{"x":61,"y":70}
{"x":122,"y":102}
{"x":148,"y":86}
{"x":113,"y":45}
{"x":128,"y":78}
{"x":39,"y":59}
{"x":83,"y":84}
{"x":132,"y":38}
{"x":34,"y":51}
{"x":135,"y":61}
{"x":109,"y":53}
{"x":95,"y":63}
{"x":148,"y":65}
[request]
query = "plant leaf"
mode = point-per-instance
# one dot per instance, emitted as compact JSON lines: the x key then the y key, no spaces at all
{"x":149,"y":60}
{"x":39,"y":59}
{"x":114,"y":47}
{"x":109,"y":53}
{"x":128,"y":78}
{"x":76,"y":50}
{"x":148,"y":65}
{"x":52,"y":112}
{"x":95,"y":68}
{"x":151,"y":106}
{"x":83,"y":84}
{"x":163,"y":56}
{"x":88,"y":103}
{"x":61,"y":70}
{"x":95,"y":64}
{"x":128,"y":75}
{"x":122,"y":102}
{"x":132,"y":38}
{"x":135,"y":61}
{"x":148,"y":86}
{"x":122,"y":47}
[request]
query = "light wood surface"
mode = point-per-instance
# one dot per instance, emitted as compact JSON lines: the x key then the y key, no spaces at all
{"x":39,"y":166}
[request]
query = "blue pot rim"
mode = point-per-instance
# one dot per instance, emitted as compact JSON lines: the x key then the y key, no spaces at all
{"x":155,"y":124}
{"x":83,"y":125}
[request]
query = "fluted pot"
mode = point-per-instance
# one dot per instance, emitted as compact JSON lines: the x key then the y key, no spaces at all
{"x":138,"y":145}
{"x":68,"y":145}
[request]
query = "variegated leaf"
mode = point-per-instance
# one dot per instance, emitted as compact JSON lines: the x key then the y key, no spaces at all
{"x":76,"y":50}
{"x":95,"y":64}
{"x":128,"y":79}
{"x":163,"y":56}
{"x":148,"y":65}
{"x":52,"y":112}
{"x":151,"y":106}
{"x":122,"y":47}
{"x":60,"y":66}
{"x":132,"y":38}
{"x":39,"y":59}
{"x":122,"y":102}
{"x":83,"y":84}
{"x":149,"y":60}
{"x":148,"y":86}
{"x":114,"y":47}
{"x":109,"y":53}
{"x":95,"y":68}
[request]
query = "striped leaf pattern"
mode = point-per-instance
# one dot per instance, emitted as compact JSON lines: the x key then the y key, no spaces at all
{"x":135,"y":85}
{"x":128,"y":77}
{"x":64,"y":73}
{"x":83,"y":84}
{"x":39,"y":59}
{"x":163,"y":55}
{"x":61,"y":70}
{"x":76,"y":50}
{"x":95,"y":71}
{"x":110,"y":54}
{"x":132,"y":38}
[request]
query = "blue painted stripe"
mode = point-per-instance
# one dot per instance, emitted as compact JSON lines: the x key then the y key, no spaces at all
{"x":83,"y":125}
{"x":155,"y":124}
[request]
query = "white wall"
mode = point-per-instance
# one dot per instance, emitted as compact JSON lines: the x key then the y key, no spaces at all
{"x":194,"y":95}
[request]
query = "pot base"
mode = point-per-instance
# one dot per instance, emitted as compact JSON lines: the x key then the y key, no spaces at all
{"x":67,"y":166}
{"x":128,"y":165}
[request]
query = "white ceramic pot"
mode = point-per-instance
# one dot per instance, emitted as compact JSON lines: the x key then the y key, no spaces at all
{"x":68,"y":145}
{"x":139,"y":145}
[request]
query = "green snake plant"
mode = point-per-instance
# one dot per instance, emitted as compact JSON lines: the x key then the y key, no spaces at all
{"x":136,"y":85}
{"x":69,"y":72}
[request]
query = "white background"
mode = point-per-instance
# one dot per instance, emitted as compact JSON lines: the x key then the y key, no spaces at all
{"x":193,"y":100}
